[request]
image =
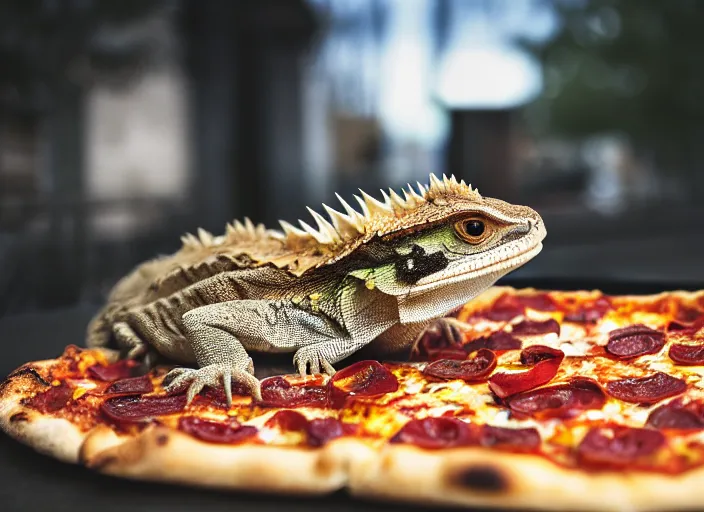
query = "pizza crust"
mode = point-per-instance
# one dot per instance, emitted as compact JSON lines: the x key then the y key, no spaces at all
{"x":55,"y":437}
{"x":476,"y":477}
{"x":159,"y":453}
{"x":163,"y":454}
{"x":482,"y":477}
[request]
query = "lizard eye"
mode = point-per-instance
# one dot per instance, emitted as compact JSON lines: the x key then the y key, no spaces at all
{"x":474,"y":227}
{"x":473,"y":231}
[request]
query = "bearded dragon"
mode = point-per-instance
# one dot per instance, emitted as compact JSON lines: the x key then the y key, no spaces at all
{"x":373,"y":277}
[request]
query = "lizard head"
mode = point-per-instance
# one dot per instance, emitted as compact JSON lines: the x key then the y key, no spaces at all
{"x":461,"y":244}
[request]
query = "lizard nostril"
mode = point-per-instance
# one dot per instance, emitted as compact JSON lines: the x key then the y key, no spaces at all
{"x":522,"y":229}
{"x":526,"y":228}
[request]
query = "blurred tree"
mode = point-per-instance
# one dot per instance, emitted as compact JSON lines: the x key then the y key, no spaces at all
{"x":630,"y":66}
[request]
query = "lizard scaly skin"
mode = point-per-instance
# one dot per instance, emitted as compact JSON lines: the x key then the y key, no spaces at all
{"x":375,"y":277}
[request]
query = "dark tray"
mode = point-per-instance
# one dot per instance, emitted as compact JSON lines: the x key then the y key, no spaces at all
{"x":30,"y":481}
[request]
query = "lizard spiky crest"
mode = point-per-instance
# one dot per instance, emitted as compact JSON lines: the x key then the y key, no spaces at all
{"x":299,"y":249}
{"x":377,"y":216}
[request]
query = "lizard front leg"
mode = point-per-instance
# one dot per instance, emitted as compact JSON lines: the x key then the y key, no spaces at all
{"x":219,"y":335}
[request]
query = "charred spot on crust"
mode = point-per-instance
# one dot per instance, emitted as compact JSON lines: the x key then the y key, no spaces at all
{"x":162,"y":439}
{"x":325,"y":465}
{"x":18,"y":417}
{"x":484,"y":478}
{"x":28,"y":370}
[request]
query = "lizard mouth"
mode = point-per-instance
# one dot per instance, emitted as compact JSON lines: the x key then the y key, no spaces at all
{"x":473,"y":269}
{"x":435,"y":299}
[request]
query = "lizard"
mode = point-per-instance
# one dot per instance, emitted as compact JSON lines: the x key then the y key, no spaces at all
{"x":376,"y":276}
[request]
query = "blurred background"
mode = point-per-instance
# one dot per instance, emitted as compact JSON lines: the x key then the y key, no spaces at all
{"x":124,"y":125}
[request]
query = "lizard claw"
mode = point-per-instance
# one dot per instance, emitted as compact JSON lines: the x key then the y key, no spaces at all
{"x":149,"y":357}
{"x":136,"y":352}
{"x":309,"y":357}
{"x":451,"y":328}
{"x":135,"y":348}
{"x":214,"y":375}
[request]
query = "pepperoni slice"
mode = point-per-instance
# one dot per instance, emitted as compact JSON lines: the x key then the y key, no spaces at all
{"x":546,"y":361}
{"x":434,"y":344}
{"x":537,"y":353}
{"x":288,"y":420}
{"x":122,"y":369}
{"x":500,"y":340}
{"x":676,"y":416}
{"x":688,"y":315}
{"x":618,"y":445}
{"x":478,"y":367}
{"x":53,"y":399}
{"x":646,"y":390}
{"x":210,"y":431}
{"x":278,"y":392}
{"x":216,"y":396}
{"x":519,"y":439}
{"x":503,"y":341}
{"x":679,"y":326}
{"x":132,"y":409}
{"x":633,"y":341}
{"x":687,"y":354}
{"x":132,"y":386}
{"x":589,"y":313}
{"x":674,"y":325}
{"x":506,"y":307}
{"x":687,"y":319}
{"x":322,"y":430}
{"x":538,"y":302}
{"x":529,"y":327}
{"x":364,"y":378}
{"x":435,"y":433}
{"x":318,"y":431}
{"x":456,"y":353}
{"x":561,"y":401}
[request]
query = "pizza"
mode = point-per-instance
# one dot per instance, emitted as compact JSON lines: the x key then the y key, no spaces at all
{"x":523,"y":399}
